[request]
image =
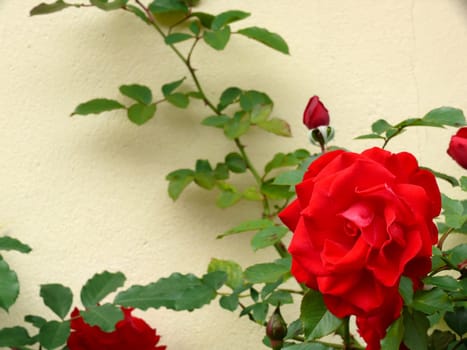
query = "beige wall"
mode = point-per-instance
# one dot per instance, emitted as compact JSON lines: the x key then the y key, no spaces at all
{"x":88,"y":193}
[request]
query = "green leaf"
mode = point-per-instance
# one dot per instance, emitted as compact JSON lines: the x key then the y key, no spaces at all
{"x":307,"y":346}
{"x":284,"y":160}
{"x":231,"y":268}
{"x":54,"y":334}
{"x":450,"y":179}
{"x":290,"y":178}
{"x":237,"y":126}
{"x":457,"y":254}
{"x":9,"y":243}
{"x":252,"y":98}
{"x":217,"y":39}
{"x":217,"y":121}
{"x":394,"y":335}
{"x":380,"y":126}
{"x":109,"y":6}
{"x":266,"y":37}
{"x":168,"y":88}
{"x":204,"y":175}
{"x":369,"y":136}
{"x":317,"y":320}
{"x":457,"y":320}
{"x":194,"y":27}
{"x":416,"y":326}
{"x":36,"y":321}
{"x":406,"y":290}
{"x":246,"y":226}
{"x":260,"y":113}
{"x":43,"y":8}
{"x":205,"y":18}
{"x":235,"y":162}
{"x":265,"y":272}
{"x":252,"y":194}
{"x":139,"y":93}
{"x":228,"y":197}
{"x":446,"y":116}
{"x":104,"y":316}
{"x":221,"y":172}
{"x":431,"y":301}
{"x":228,"y":17}
{"x":178,"y":181}
{"x":178,"y":100}
{"x":97,"y":106}
{"x":268,"y":236}
{"x":276,"y":191}
{"x":140,"y":113}
{"x":15,"y":337}
{"x":176,"y":292}
{"x":177,"y":38}
{"x":166,"y":6}
{"x":276,"y":126}
{"x":280,"y":297}
{"x":215,"y":279}
{"x":58,"y":298}
{"x":440,"y":339}
{"x":447,"y":283}
{"x":229,"y":96}
{"x":229,"y":302}
{"x":9,"y":286}
{"x":463,"y":183}
{"x":99,"y":286}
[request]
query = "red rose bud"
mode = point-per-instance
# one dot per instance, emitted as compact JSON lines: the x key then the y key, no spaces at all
{"x":315,"y":114}
{"x":458,"y":147}
{"x":276,"y":329}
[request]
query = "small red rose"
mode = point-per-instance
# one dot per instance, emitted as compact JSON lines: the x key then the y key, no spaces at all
{"x":360,"y":223}
{"x":458,"y":147}
{"x":131,"y":333}
{"x":315,"y":114}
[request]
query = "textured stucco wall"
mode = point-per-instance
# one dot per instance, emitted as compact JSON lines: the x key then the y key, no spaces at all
{"x":88,"y":193}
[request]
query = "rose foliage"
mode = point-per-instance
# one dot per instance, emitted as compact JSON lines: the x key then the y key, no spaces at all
{"x":363,"y":240}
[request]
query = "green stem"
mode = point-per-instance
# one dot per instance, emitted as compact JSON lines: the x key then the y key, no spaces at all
{"x":346,"y":335}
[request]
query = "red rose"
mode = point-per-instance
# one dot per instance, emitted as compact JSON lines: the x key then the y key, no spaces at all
{"x":360,"y":222}
{"x":315,"y":114}
{"x":458,"y":147}
{"x":131,"y":333}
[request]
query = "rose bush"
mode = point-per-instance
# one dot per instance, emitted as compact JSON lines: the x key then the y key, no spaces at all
{"x":360,"y":222}
{"x":458,"y":147}
{"x":131,"y":333}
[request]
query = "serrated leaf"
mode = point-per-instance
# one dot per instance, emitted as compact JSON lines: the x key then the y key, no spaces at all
{"x":167,"y":6}
{"x":178,"y":181}
{"x":96,"y":106}
{"x":276,"y":126}
{"x":446,"y":116}
{"x":235,"y":162}
{"x":406,"y":290}
{"x":369,"y":136}
{"x":139,"y":93}
{"x":194,"y":27}
{"x":168,"y":88}
{"x":394,"y":336}
{"x":221,"y":172}
{"x":252,"y":194}
{"x":447,"y":283}
{"x":227,"y":17}
{"x":229,"y":302}
{"x":54,"y":334}
{"x":44,"y":8}
{"x":204,"y":18}
{"x":204,"y":175}
{"x":252,"y":98}
{"x":276,"y":191}
{"x":280,"y":297}
{"x":317,"y":320}
{"x":284,"y":160}
{"x":266,"y":37}
{"x":431,"y":301}
{"x":36,"y":321}
{"x":457,"y":254}
{"x":260,"y":113}
{"x":177,"y":38}
{"x":104,"y":316}
{"x":140,"y":113}
{"x":228,"y":96}
{"x":415,"y":325}
{"x":176,"y":292}
{"x":246,"y":226}
{"x":58,"y":298}
{"x":217,"y":121}
{"x":380,"y":126}
{"x":9,"y":286}
{"x":237,"y":126}
{"x":463,"y":183}
{"x":178,"y":100}
{"x":214,"y":279}
{"x":15,"y":337}
{"x":109,"y":6}
{"x":231,"y":268}
{"x":99,"y":286}
{"x":265,"y":272}
{"x":290,"y":178}
{"x":457,"y":320}
{"x":268,"y":236}
{"x":217,"y":39}
{"x":227,"y":198}
{"x":10,"y":243}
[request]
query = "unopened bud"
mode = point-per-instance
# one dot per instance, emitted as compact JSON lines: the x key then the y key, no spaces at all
{"x":321,"y":135}
{"x":276,"y":329}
